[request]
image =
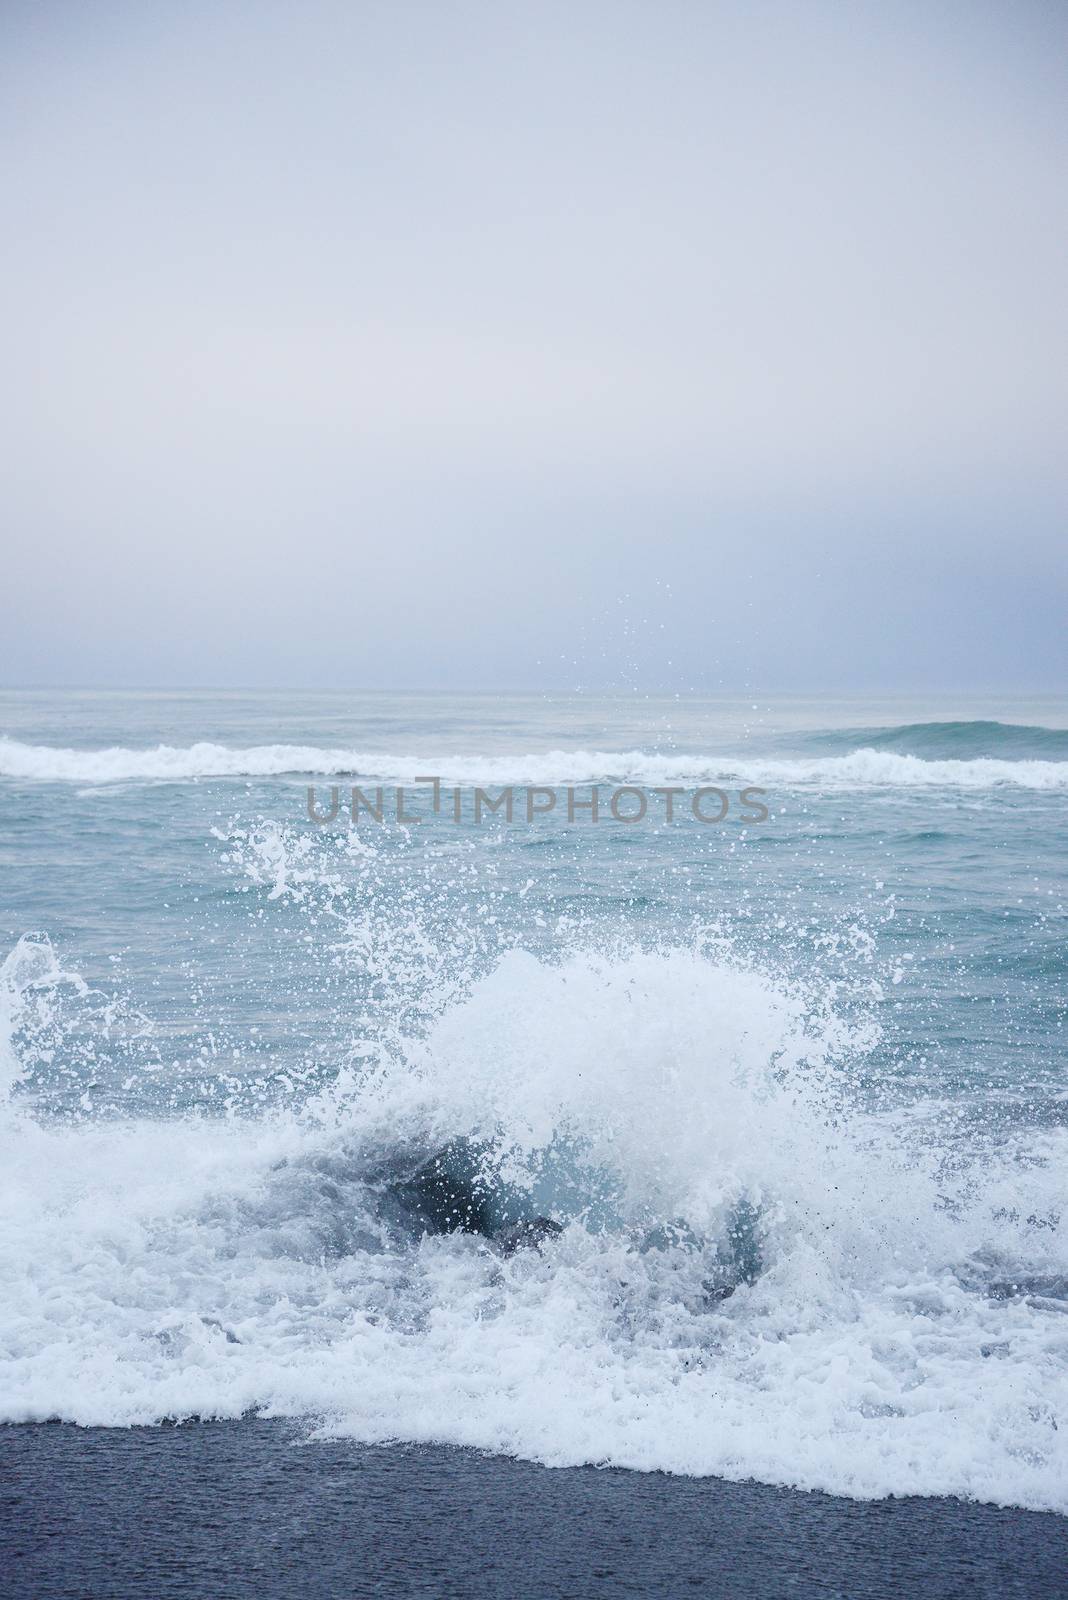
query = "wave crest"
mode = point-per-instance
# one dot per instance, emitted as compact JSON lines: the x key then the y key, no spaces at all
{"x":862,"y":768}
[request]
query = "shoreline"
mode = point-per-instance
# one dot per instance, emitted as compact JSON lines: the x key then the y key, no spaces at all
{"x":249,"y":1508}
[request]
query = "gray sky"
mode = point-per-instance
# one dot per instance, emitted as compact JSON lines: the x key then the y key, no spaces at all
{"x":619,"y":345}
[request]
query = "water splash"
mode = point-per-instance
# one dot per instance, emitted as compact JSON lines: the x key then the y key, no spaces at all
{"x":29,"y":978}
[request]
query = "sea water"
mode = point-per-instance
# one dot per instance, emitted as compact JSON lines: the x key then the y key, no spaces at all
{"x":793,"y":1087}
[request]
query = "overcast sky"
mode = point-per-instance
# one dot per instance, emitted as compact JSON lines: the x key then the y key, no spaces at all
{"x":515,"y":344}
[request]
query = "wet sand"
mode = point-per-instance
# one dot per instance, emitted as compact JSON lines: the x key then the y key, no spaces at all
{"x":246,"y":1508}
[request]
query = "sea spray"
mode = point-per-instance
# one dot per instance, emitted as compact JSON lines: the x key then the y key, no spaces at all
{"x":191,"y":1268}
{"x":29,"y":976}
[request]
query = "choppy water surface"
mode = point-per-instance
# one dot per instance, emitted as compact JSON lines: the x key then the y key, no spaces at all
{"x":794,"y":1091}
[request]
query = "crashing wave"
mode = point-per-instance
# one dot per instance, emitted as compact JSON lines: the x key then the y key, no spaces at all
{"x":860,"y":768}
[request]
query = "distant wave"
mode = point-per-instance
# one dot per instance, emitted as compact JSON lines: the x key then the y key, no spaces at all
{"x":869,"y":767}
{"x":952,"y":740}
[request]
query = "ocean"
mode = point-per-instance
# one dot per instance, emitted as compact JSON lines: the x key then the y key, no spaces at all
{"x":288,"y":1106}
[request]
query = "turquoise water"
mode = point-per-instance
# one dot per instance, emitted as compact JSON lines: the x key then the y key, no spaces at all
{"x":233,"y":1035}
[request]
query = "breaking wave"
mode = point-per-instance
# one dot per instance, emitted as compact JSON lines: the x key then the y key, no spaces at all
{"x":957,"y":740}
{"x":878,"y":764}
{"x":897,"y":1324}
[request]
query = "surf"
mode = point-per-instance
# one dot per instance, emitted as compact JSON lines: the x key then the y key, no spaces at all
{"x":752,"y":1276}
{"x":874,"y":763}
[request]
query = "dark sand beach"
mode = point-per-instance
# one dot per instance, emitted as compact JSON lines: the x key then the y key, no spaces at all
{"x":246,"y":1508}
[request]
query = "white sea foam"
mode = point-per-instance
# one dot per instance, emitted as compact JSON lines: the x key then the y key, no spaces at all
{"x":209,"y":1268}
{"x":861,"y":769}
